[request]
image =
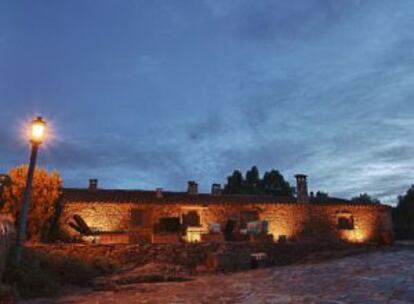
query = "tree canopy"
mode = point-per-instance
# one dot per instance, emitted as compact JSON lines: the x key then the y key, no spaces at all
{"x":404,"y":212}
{"x":321,"y":197}
{"x":365,"y":198}
{"x":46,"y":190}
{"x":272,"y":183}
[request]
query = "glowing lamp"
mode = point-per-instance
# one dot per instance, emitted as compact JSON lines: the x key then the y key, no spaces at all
{"x":36,"y":138}
{"x":38,"y":130}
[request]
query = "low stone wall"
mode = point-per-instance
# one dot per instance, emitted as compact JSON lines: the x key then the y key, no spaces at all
{"x":7,"y":238}
{"x":192,"y":255}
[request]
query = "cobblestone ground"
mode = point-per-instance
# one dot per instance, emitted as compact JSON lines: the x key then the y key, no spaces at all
{"x":380,"y":277}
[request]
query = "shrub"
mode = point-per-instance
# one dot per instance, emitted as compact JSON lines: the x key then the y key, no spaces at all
{"x":46,"y":190}
{"x":43,"y":274}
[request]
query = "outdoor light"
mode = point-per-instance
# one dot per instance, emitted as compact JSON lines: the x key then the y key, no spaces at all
{"x":38,"y":130}
{"x":36,"y":138}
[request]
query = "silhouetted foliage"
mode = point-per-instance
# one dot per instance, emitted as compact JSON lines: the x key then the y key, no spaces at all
{"x":235,"y":183}
{"x":320,"y":197}
{"x":43,"y":274}
{"x":403,"y":214}
{"x":252,"y":182}
{"x":365,"y":198}
{"x":272,"y":183}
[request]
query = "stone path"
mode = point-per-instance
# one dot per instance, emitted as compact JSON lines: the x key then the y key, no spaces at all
{"x":380,"y":277}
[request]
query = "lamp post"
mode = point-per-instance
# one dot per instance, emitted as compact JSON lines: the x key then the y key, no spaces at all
{"x":36,"y":137}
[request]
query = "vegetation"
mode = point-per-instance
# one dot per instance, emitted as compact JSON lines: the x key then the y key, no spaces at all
{"x":365,"y":198}
{"x":272,"y":183}
{"x":403,"y":215}
{"x":321,"y":197}
{"x":405,"y":207}
{"x":40,"y":274}
{"x":46,"y":190}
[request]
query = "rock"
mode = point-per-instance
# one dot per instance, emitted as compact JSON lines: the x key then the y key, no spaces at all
{"x":200,"y":269}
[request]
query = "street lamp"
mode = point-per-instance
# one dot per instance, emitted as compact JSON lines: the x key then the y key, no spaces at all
{"x":38,"y":129}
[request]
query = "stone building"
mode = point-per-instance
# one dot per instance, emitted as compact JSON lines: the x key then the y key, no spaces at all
{"x":134,"y":216}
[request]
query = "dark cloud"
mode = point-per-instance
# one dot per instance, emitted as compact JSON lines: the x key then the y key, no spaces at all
{"x":267,"y":21}
{"x":153,"y":94}
{"x":208,"y":129}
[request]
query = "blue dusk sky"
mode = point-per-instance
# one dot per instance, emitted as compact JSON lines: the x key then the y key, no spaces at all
{"x":146,"y":94}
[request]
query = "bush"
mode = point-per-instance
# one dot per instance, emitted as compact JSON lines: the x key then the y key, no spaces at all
{"x":46,"y":190}
{"x":42,"y":274}
{"x":105,"y":265}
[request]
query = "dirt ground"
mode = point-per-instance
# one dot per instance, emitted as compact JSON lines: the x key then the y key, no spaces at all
{"x":385,"y":276}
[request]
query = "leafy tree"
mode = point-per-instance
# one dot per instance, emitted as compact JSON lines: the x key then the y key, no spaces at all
{"x":365,"y":198}
{"x":404,"y":212}
{"x":235,"y":183}
{"x":46,"y":190}
{"x":273,"y":183}
{"x":321,"y":197}
{"x":5,"y":180}
{"x":252,"y":182}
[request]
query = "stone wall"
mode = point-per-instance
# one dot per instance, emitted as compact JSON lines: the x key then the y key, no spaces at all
{"x":294,"y":221}
{"x":7,"y":237}
{"x":371,"y":222}
{"x":103,"y":217}
{"x":192,"y":255}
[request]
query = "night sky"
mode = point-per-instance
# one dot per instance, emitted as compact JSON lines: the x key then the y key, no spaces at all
{"x":146,"y":94}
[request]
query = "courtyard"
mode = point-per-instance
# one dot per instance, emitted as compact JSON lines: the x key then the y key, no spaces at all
{"x":384,"y":276}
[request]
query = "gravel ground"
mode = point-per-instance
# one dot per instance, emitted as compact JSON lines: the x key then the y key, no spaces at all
{"x":380,"y":277}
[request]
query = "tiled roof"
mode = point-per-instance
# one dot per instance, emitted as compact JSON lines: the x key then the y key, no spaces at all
{"x":72,"y":195}
{"x":330,"y":200}
{"x":142,"y":196}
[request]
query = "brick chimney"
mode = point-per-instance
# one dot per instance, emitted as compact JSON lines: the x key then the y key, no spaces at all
{"x":93,"y":184}
{"x":158,"y":193}
{"x":215,"y":189}
{"x":192,"y":187}
{"x":302,"y":188}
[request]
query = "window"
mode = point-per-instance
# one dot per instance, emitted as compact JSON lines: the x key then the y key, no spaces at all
{"x":168,"y":224}
{"x":191,"y":219}
{"x":140,"y":218}
{"x":137,"y":217}
{"x":345,"y":222}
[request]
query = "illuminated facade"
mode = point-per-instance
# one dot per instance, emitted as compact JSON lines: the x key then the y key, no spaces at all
{"x":145,"y":216}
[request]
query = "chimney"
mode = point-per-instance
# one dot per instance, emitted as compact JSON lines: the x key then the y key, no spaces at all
{"x":93,"y":184}
{"x":215,"y":189}
{"x":192,"y":187}
{"x":158,"y":193}
{"x":301,"y":188}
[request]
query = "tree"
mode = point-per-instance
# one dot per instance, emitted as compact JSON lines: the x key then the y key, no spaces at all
{"x":46,"y":190}
{"x":321,"y":197}
{"x":252,"y":182}
{"x":365,"y":198}
{"x":272,"y":183}
{"x":5,"y":180}
{"x":404,"y":212}
{"x":235,"y":183}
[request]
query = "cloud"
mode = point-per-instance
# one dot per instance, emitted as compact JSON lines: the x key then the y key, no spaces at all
{"x":193,"y":91}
